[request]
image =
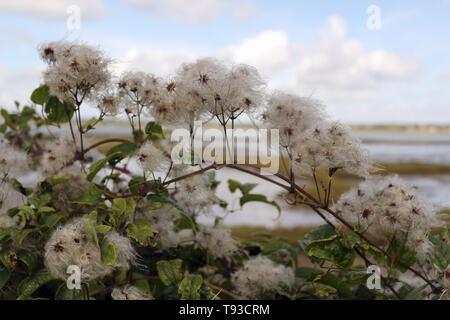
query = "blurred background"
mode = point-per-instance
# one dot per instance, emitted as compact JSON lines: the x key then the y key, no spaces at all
{"x":382,"y":67}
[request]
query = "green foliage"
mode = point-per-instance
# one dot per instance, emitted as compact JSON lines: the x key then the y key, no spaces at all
{"x":324,"y":244}
{"x":190,"y":286}
{"x":169,"y":271}
{"x":114,"y":199}
{"x":142,"y":232}
{"x":249,"y":197}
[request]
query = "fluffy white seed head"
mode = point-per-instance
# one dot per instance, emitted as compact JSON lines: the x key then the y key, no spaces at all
{"x":138,"y":90}
{"x":60,"y":153}
{"x":292,"y":116}
{"x":9,"y":198}
{"x":13,"y":162}
{"x":130,"y":293}
{"x":217,"y":240}
{"x":261,"y":276}
{"x":194,"y":195}
{"x":75,"y":71}
{"x":152,"y":159}
{"x":384,"y":207}
{"x":72,"y":244}
{"x":71,"y":190}
{"x":221,"y":89}
{"x":332,"y":146}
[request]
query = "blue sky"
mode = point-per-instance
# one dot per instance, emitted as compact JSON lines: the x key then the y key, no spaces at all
{"x":397,"y":74}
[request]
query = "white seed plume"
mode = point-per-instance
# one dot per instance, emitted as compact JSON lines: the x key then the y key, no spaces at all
{"x":72,"y":244}
{"x":130,"y":293}
{"x":9,"y":198}
{"x":217,"y":240}
{"x":138,"y":90}
{"x":261,"y":276}
{"x":330,"y":146}
{"x":152,"y":159}
{"x":60,"y":153}
{"x":13,"y":162}
{"x":75,"y":71}
{"x":194,"y":195}
{"x":162,"y":220}
{"x":292,"y":116}
{"x":71,"y":190}
{"x":382,"y":208}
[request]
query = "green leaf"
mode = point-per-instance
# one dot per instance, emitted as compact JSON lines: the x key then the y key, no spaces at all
{"x":57,"y":111}
{"x":126,"y":148}
{"x":190,"y":286}
{"x":64,"y":293}
{"x":5,"y":275}
{"x":169,"y":271}
{"x":90,"y":197}
{"x":323,"y":243}
{"x":29,"y":285}
{"x":259,"y":198}
{"x":40,"y":95}
{"x":18,"y":187}
{"x":142,"y":232}
{"x":233,"y":185}
{"x":182,"y":224}
{"x":108,"y":253}
{"x":30,"y":259}
{"x":262,"y":234}
{"x":161,"y":199}
{"x":441,"y":253}
{"x":122,"y":209}
{"x":96,"y":167}
{"x":9,"y":259}
{"x":404,"y":256}
{"x":154,"y":131}
{"x":52,"y":220}
{"x":280,"y":248}
{"x":103,"y":229}
{"x":89,"y":125}
{"x":25,"y":233}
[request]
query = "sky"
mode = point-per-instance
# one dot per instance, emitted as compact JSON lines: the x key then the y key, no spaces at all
{"x":369,"y":62}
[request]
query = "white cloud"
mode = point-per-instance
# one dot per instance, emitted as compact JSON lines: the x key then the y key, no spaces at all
{"x":336,"y":68}
{"x":161,"y":62}
{"x":193,"y":11}
{"x":53,"y":9}
{"x":268,"y":52}
{"x":17,"y":84}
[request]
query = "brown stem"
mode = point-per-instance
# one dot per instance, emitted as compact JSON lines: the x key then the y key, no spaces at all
{"x":95,"y":145}
{"x":223,"y":290}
